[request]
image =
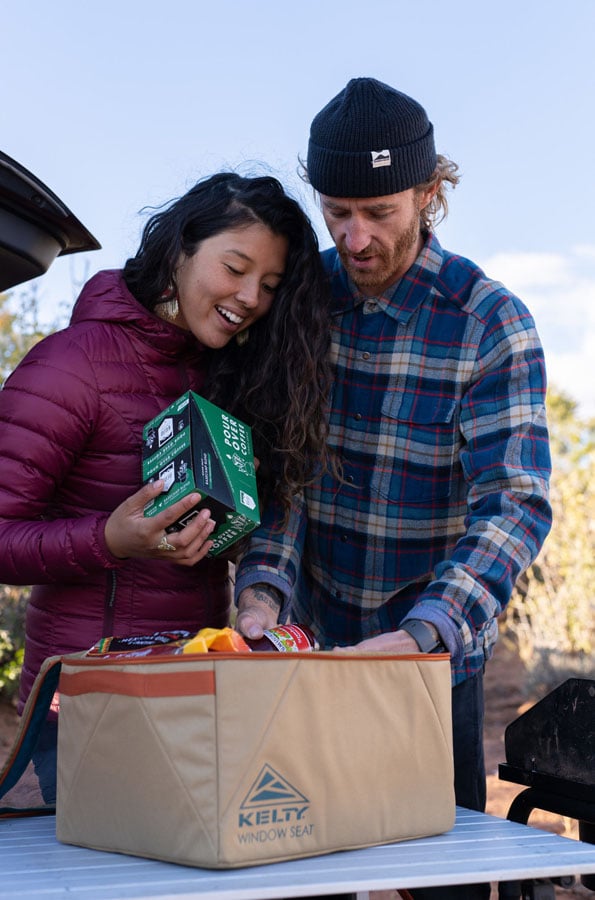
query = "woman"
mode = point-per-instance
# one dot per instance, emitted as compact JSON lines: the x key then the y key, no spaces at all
{"x":226,"y":297}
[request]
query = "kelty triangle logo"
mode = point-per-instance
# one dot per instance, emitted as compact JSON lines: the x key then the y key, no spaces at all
{"x":271,"y":789}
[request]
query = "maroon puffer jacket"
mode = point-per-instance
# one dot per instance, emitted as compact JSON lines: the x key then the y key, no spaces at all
{"x":71,"y":419}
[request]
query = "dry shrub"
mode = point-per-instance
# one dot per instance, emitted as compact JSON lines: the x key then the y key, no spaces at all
{"x":552,"y":613}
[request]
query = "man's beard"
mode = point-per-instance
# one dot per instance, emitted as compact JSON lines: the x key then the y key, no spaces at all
{"x":390,"y":263}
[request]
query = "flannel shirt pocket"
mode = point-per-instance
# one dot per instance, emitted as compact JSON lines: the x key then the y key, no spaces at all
{"x":418,"y":442}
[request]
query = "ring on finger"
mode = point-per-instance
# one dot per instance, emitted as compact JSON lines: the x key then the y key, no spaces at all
{"x":164,"y":544}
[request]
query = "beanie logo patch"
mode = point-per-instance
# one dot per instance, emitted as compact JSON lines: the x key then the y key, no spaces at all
{"x":380,"y":158}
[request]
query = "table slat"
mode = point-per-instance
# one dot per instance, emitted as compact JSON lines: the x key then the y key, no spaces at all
{"x":480,"y":848}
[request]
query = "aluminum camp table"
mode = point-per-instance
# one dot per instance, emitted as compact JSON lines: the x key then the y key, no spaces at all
{"x":480,"y":848}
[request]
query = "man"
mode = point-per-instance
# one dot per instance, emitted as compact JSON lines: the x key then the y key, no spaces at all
{"x":437,"y":418}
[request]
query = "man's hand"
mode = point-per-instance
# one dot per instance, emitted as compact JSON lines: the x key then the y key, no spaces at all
{"x":258,"y":609}
{"x":397,"y":642}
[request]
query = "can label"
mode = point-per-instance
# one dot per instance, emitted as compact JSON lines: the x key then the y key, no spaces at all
{"x":289,"y":638}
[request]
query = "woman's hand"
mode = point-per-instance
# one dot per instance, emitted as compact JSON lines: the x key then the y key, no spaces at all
{"x":129,"y":533}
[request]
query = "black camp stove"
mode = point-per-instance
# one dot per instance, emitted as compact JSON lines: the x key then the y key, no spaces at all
{"x":551,"y":750}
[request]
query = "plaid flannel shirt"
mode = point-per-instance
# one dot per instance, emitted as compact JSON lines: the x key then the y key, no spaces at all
{"x":437,"y":414}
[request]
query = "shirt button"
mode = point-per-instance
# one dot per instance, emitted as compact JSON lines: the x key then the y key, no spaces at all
{"x":365,"y":355}
{"x":344,"y":538}
{"x":357,"y":417}
{"x":350,"y":479}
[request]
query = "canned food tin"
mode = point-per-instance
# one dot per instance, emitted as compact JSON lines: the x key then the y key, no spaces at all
{"x":285,"y":639}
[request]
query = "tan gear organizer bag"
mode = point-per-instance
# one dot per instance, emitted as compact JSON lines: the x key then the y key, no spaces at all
{"x":224,"y":760}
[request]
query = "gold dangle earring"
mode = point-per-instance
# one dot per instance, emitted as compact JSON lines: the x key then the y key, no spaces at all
{"x":242,"y":337}
{"x":169,"y":308}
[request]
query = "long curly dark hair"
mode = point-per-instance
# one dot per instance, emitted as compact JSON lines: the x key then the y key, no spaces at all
{"x":278,"y":380}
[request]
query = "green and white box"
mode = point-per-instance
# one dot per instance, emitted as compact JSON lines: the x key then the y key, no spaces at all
{"x":195,"y":446}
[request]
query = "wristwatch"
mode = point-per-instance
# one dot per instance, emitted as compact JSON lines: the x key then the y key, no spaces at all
{"x":424,"y":634}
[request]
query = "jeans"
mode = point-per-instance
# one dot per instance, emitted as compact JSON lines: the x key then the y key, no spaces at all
{"x":44,"y":761}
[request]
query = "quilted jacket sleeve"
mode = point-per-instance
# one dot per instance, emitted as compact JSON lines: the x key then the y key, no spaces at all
{"x":48,"y":410}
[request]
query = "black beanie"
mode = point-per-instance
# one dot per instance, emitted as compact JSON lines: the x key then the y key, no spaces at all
{"x":369,"y":141}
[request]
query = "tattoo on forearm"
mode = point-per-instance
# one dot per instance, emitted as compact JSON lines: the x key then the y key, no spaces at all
{"x":269,"y":595}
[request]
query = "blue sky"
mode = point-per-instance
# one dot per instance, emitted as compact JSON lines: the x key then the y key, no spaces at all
{"x":122,"y":105}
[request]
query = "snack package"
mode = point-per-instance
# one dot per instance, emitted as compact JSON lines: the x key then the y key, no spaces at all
{"x":172,"y":643}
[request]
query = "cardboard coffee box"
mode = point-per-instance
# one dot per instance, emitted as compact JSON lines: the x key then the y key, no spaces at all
{"x":195,"y":446}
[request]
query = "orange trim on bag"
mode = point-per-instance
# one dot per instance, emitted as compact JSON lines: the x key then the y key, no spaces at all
{"x":138,"y":684}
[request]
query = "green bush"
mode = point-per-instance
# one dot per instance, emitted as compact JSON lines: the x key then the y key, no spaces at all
{"x":13,"y":603}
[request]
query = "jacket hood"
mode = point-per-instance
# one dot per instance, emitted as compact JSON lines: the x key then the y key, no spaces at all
{"x":106,"y":298}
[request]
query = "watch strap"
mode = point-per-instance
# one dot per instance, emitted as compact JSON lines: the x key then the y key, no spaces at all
{"x":423,"y":634}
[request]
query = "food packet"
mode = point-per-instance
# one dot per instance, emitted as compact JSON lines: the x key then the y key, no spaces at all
{"x":222,"y":640}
